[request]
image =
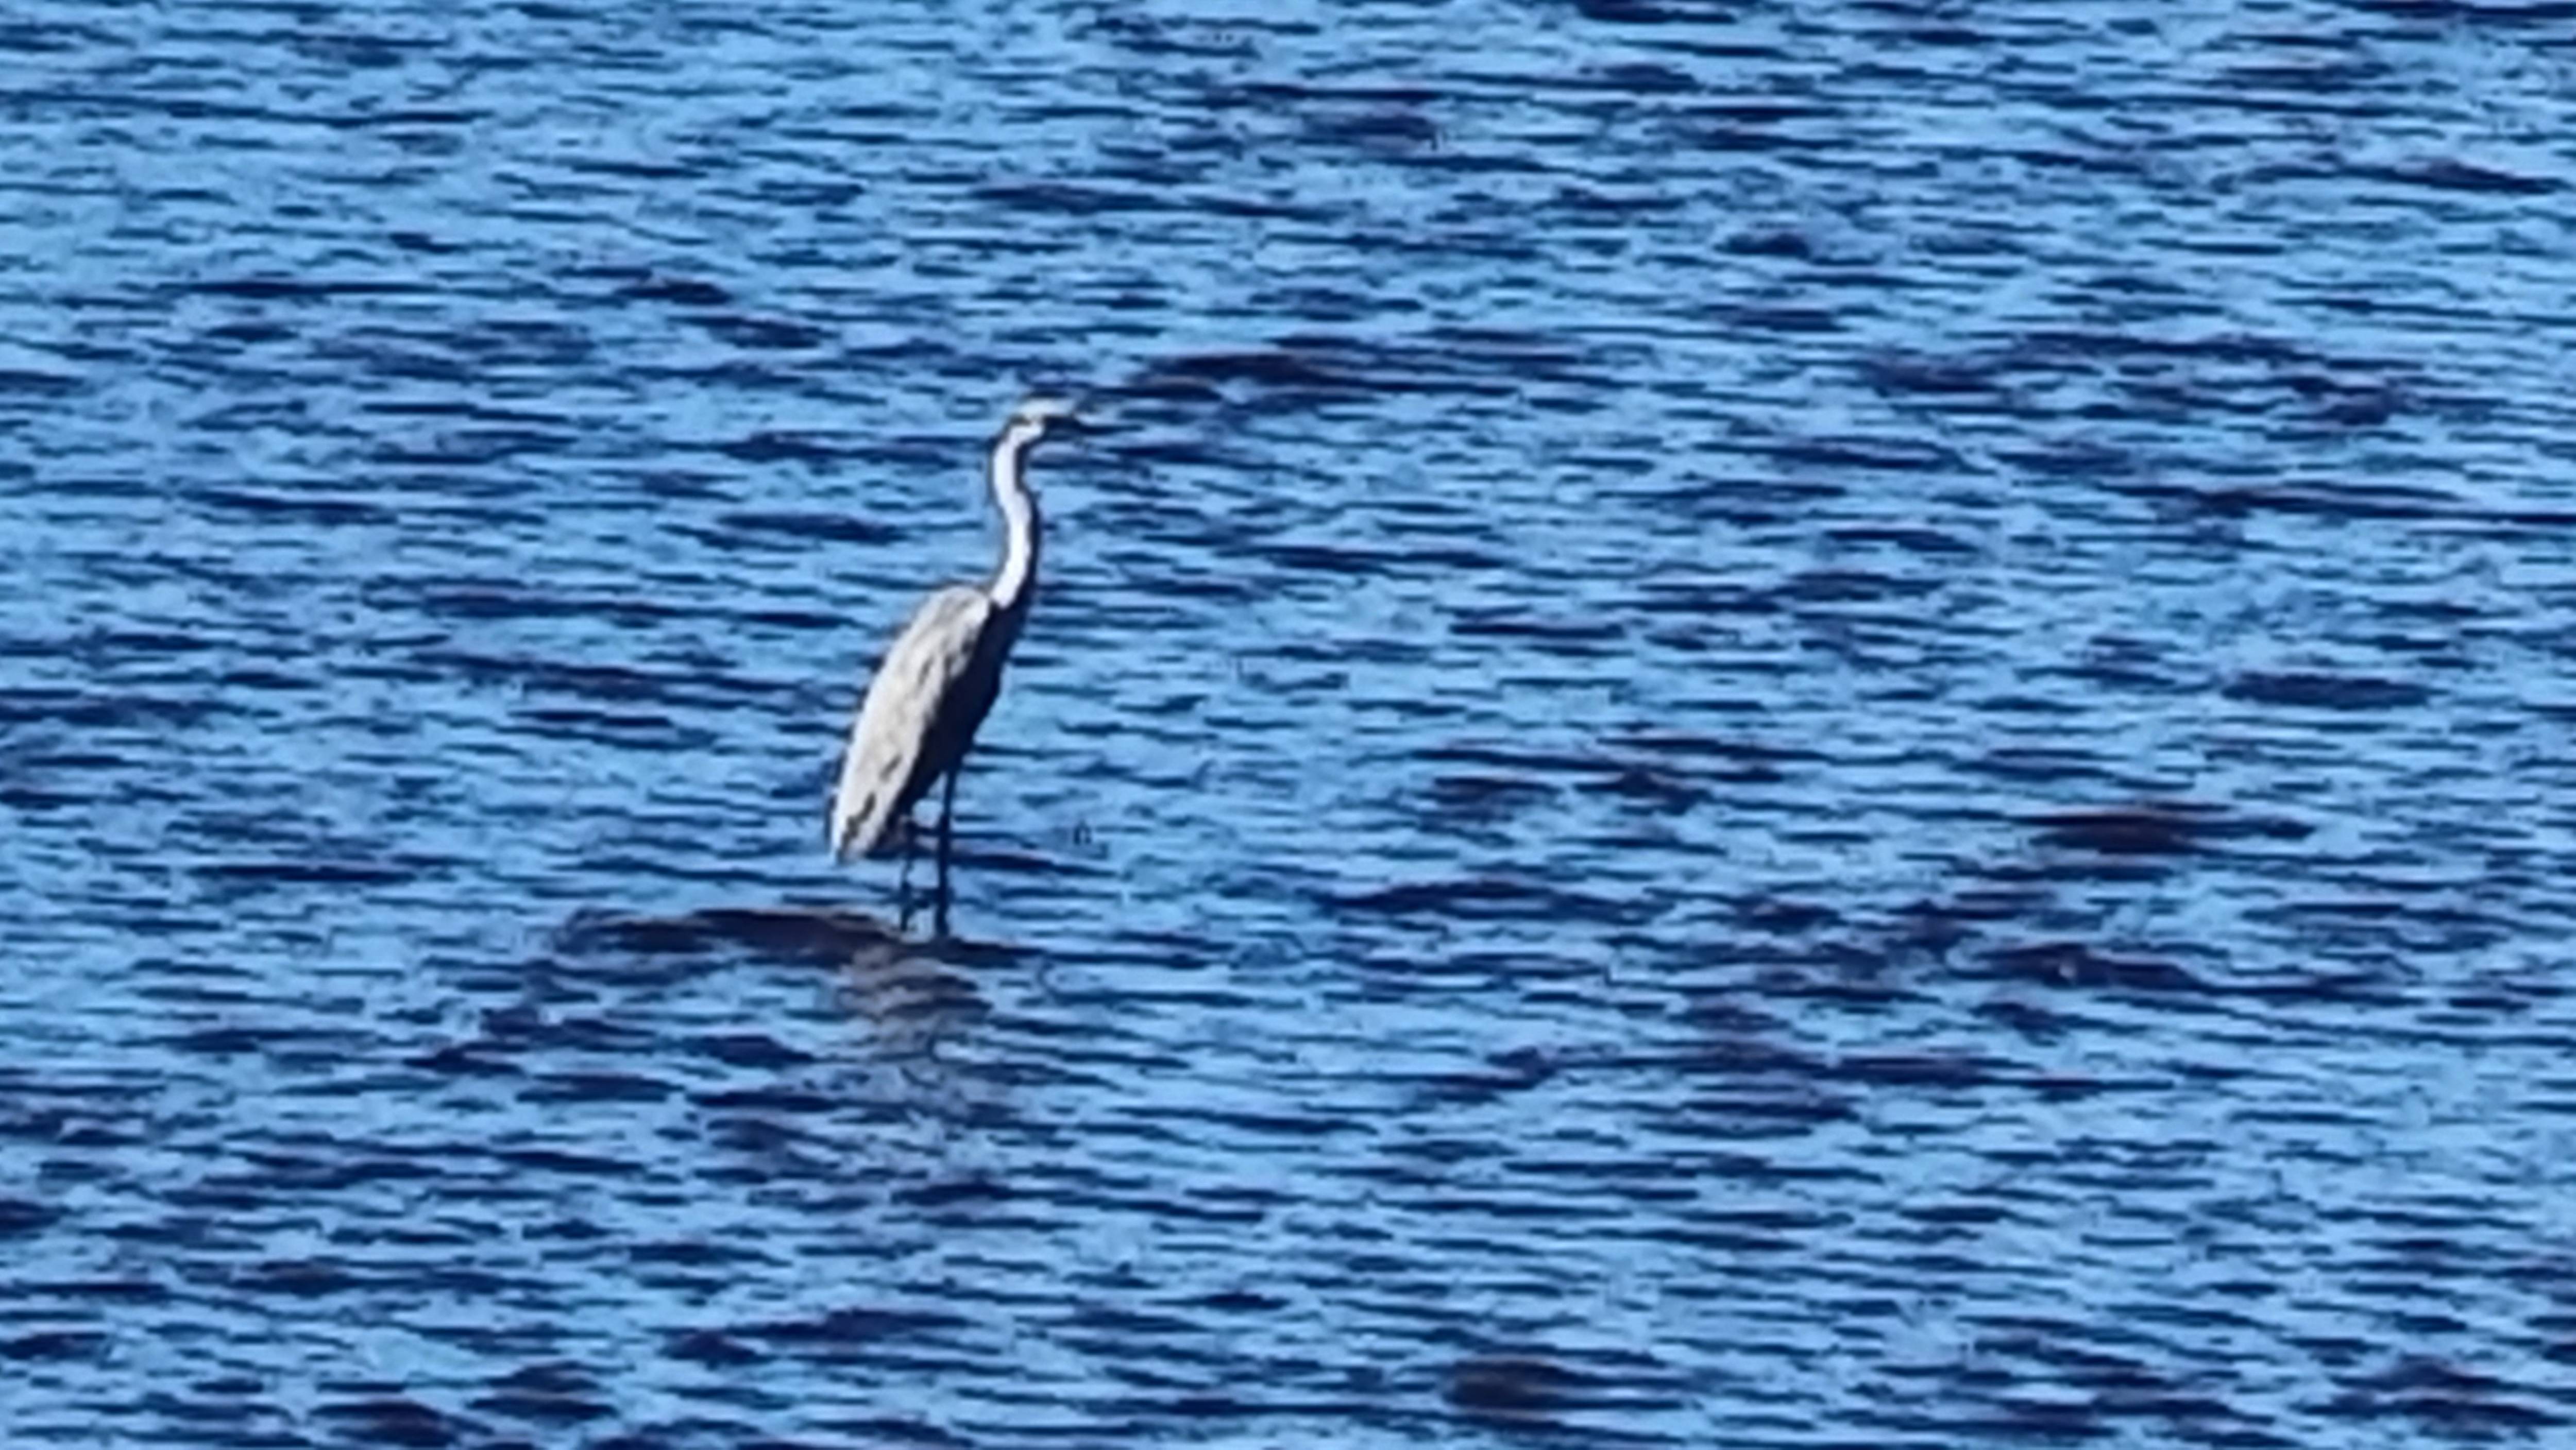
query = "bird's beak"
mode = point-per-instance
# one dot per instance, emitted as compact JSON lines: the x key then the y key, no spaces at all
{"x":1081,"y":416}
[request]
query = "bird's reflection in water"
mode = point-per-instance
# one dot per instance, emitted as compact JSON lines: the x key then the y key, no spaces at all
{"x":913,"y":992}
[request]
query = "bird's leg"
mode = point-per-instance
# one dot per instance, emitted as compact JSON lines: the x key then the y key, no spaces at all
{"x":903,"y":880}
{"x":947,"y":808}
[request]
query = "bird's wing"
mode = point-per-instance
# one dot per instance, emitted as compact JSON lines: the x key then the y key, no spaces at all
{"x":897,"y":747}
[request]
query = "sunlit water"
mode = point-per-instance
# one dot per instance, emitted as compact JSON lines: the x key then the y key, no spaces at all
{"x":1789,"y":725}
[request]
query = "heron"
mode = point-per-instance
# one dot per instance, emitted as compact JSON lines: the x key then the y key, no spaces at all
{"x":940,"y":675}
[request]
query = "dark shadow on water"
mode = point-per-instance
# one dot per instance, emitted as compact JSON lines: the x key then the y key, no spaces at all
{"x":817,"y":936}
{"x":790,"y":933}
{"x":915,"y":989}
{"x":1525,"y":1394}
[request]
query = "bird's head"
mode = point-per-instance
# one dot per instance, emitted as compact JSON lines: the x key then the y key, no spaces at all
{"x":1039,"y":417}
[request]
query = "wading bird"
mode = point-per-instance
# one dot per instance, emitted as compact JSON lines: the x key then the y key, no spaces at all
{"x":940,"y":675}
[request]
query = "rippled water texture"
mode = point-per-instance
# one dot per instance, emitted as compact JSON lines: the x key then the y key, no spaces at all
{"x":1770,"y":725}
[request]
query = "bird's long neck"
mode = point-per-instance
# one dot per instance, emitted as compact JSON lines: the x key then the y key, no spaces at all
{"x":1019,"y":567}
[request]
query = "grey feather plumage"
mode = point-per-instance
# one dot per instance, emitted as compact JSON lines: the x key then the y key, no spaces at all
{"x":932,"y":691}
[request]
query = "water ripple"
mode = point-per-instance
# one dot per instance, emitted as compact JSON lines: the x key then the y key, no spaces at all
{"x":1764,"y":729}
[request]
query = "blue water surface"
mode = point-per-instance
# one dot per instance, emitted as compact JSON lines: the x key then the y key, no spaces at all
{"x":1835,"y":724}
